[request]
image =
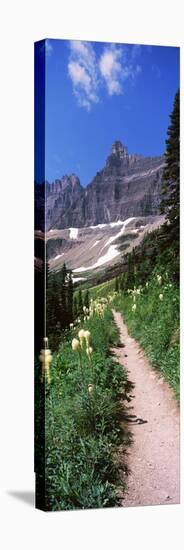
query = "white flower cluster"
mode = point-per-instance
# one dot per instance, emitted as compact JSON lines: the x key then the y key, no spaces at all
{"x":97,"y":307}
{"x":111,"y":297}
{"x":134,"y":292}
{"x":83,"y":342}
{"x":76,"y":322}
{"x":86,"y":313}
{"x":159,"y":279}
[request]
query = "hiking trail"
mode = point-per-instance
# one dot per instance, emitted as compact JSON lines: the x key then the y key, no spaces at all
{"x":153,"y":419}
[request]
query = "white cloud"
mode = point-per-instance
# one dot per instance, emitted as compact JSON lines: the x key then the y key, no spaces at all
{"x":117,"y":64}
{"x":111,"y":69}
{"x":82,"y":69}
{"x":79,"y":75}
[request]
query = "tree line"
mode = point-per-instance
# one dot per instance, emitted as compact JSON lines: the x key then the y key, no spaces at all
{"x":63,"y":304}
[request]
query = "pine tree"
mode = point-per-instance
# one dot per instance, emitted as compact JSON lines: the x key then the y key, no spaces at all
{"x":63,"y":297}
{"x":116,"y":284}
{"x":39,"y":307}
{"x":53,"y":318}
{"x":86,"y":299}
{"x":123,"y":281}
{"x":130,"y":270}
{"x":75,"y":307}
{"x":70,"y":298}
{"x":170,"y":204}
{"x":80,"y":303}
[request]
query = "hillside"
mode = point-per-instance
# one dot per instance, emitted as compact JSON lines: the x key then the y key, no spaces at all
{"x":97,"y":249}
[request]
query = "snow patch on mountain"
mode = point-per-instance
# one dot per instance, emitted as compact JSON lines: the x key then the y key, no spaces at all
{"x":114,"y":224}
{"x":73,"y":232}
{"x":58,"y":256}
{"x":77,"y":279}
{"x":110,"y":255}
{"x":99,"y":226}
{"x":96,"y":242}
{"x":114,"y":237}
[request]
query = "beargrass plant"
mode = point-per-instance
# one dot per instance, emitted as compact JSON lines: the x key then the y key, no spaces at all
{"x":83,"y":419}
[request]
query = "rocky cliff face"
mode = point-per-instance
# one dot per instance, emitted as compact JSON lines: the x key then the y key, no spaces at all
{"x":127,"y":186}
{"x":61,"y":197}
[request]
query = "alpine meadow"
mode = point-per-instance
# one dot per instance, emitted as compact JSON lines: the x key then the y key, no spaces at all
{"x":107,"y":275}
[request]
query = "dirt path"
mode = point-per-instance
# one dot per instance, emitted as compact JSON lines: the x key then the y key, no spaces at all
{"x":153,"y":458}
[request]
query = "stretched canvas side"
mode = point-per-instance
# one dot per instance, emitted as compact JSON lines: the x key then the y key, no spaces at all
{"x":40,"y":271}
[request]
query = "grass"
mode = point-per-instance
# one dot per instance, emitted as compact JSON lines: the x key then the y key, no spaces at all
{"x":83,"y":429}
{"x":155,"y":324}
{"x":103,"y":289}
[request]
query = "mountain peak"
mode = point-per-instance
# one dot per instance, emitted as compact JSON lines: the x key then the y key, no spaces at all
{"x":118,"y":157}
{"x":119,"y":149}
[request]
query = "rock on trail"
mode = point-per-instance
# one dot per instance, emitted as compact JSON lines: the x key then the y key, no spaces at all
{"x":153,"y":457}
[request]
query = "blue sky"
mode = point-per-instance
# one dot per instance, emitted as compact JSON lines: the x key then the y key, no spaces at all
{"x":99,"y":92}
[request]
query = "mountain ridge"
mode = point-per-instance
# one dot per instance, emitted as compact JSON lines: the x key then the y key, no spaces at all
{"x":127,"y":185}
